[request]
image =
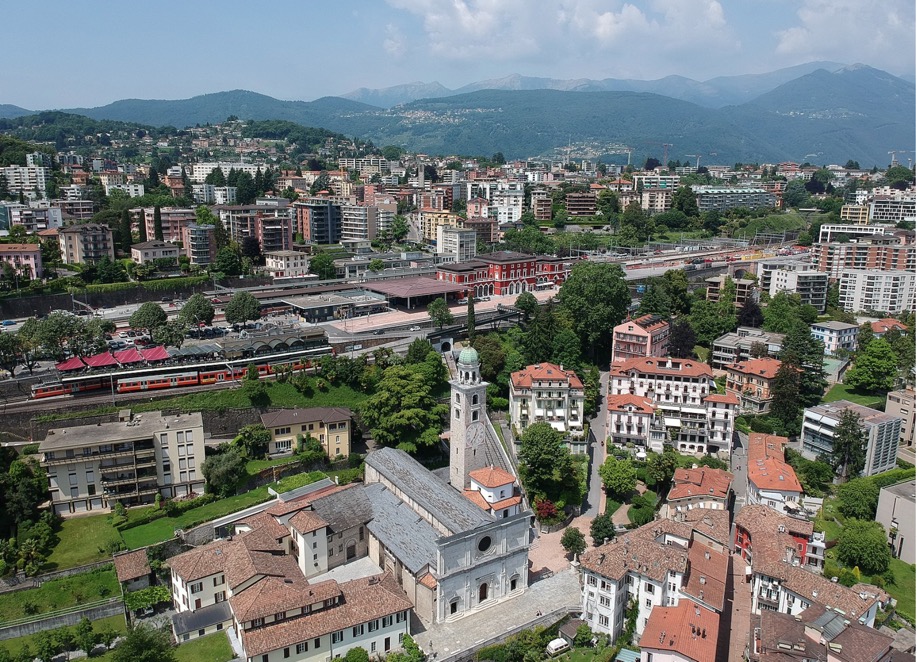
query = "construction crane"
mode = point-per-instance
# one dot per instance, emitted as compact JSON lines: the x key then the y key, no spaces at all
{"x":893,"y":152}
{"x":665,"y":154}
{"x":697,"y":156}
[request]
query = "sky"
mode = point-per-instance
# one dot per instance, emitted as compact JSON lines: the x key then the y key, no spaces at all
{"x":65,"y":54}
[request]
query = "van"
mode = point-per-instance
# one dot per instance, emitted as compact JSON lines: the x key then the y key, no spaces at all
{"x":556,"y":647}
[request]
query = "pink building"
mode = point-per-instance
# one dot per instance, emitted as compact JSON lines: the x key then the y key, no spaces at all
{"x":173,"y":220}
{"x":25,"y":259}
{"x":641,"y":337}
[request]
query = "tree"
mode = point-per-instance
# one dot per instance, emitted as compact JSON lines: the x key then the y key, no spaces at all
{"x":85,"y":636}
{"x":227,"y":261}
{"x":491,"y":355}
{"x":403,"y":411}
{"x":546,"y":460}
{"x":439,"y":313}
{"x":858,"y":498}
{"x":10,"y":352}
{"x":848,"y":453}
{"x":224,"y":471}
{"x":252,"y":440}
{"x":171,"y":334}
{"x":619,"y":477}
{"x":46,"y":646}
{"x":145,"y":644}
{"x":685,"y":201}
{"x":527,"y":304}
{"x":865,"y":335}
{"x":418,"y":350}
{"x":241,"y":308}
{"x":157,"y":223}
{"x":573,"y":541}
{"x":874,"y":369}
{"x":795,"y":195}
{"x":356,"y":654}
{"x":807,"y":353}
{"x":469,"y":318}
{"x":710,"y":320}
{"x":207,"y":217}
{"x":197,"y":310}
{"x":750,"y":314}
{"x":251,"y":248}
{"x":148,"y":316}
{"x":322,"y":265}
{"x":124,"y":231}
{"x":376,"y":265}
{"x":682,"y":339}
{"x":864,"y":545}
{"x":785,"y":405}
{"x":595,"y":297}
{"x":660,"y":467}
{"x":602,"y":529}
{"x":399,"y":228}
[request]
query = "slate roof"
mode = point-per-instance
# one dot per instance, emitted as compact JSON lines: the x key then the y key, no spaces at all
{"x":445,"y":504}
{"x":344,"y":509}
{"x":410,"y":538}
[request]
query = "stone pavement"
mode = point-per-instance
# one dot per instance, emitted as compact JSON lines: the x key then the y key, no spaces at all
{"x":538,"y":604}
{"x":736,"y":619}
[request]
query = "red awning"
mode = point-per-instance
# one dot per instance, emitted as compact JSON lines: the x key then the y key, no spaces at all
{"x":155,"y":353}
{"x":100,"y":360}
{"x":128,"y":356}
{"x":74,"y":363}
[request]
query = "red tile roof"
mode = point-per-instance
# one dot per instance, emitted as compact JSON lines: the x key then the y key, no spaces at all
{"x":703,"y":481}
{"x":20,"y":248}
{"x":884,"y":325}
{"x":491,"y":477}
{"x":688,"y":629}
{"x":662,"y":366}
{"x":707,"y":571}
{"x":307,"y":521}
{"x":131,"y":565}
{"x":545,"y":372}
{"x":763,"y":367}
{"x":474,"y":496}
{"x":766,"y":466}
{"x":626,"y":402}
{"x":727,"y":398}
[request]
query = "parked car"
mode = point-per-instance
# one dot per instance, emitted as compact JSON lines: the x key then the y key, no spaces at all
{"x":378,"y":332}
{"x":414,"y":328}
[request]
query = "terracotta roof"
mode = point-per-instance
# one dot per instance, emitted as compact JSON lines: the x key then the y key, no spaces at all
{"x":773,"y":629}
{"x":272,"y":595}
{"x":307,"y":521}
{"x":663,"y":366}
{"x":506,"y":503}
{"x":728,"y":398}
{"x":545,"y":372}
{"x":636,"y":551}
{"x":363,"y":600}
{"x":813,"y":587}
{"x":299,"y":416}
{"x":20,"y":248}
{"x":687,"y":629}
{"x":649,"y":322}
{"x":766,"y":466}
{"x":707,"y":571}
{"x":627,"y":402}
{"x":286,"y":507}
{"x":703,"y":481}
{"x":474,"y":496}
{"x":763,"y":367}
{"x":429,"y":581}
{"x":884,"y":325}
{"x":768,"y":542}
{"x":492,"y":477}
{"x":709,"y":522}
{"x":131,"y":565}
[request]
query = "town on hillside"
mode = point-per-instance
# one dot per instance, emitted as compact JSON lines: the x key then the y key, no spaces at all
{"x":272,"y":393}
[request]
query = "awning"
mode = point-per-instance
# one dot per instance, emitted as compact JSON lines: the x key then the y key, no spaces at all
{"x":672,"y":422}
{"x":74,"y":363}
{"x":128,"y":356}
{"x":100,"y":360}
{"x":155,"y":353}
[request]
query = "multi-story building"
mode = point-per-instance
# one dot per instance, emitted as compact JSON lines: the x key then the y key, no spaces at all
{"x":147,"y":251}
{"x":880,"y":252}
{"x":722,"y":198}
{"x":736,"y":346}
{"x":697,"y":419}
{"x":882,"y":432}
{"x":90,"y":467}
{"x":85,"y":244}
{"x":547,"y":393}
{"x":580,"y":204}
{"x":655,"y":180}
{"x":330,"y":426}
{"x":832,"y":232}
{"x":199,"y":171}
{"x":359,"y":221}
{"x":23,"y":259}
{"x":645,"y":336}
{"x":837,"y":337}
{"x":855,"y":214}
{"x":810,"y":285}
{"x":700,"y":487}
{"x":286,"y":264}
{"x":542,"y":205}
{"x":655,"y":566}
{"x":173,"y":220}
{"x":686,"y":632}
{"x":897,"y":514}
{"x":634,"y":420}
{"x":30,"y":180}
{"x":892,"y":209}
{"x":656,"y":200}
{"x":752,"y":382}
{"x":274,"y":232}
{"x":199,"y":243}
{"x":901,"y":404}
{"x":889,"y":291}
{"x":883,"y":326}
{"x":78,"y":210}
{"x":457,"y":243}
{"x":771,"y":481}
{"x":318,"y":219}
{"x":132,"y":190}
{"x":744,"y":288}
{"x":208,"y":194}
{"x":506,"y":206}
{"x":429,"y":223}
{"x":506,"y":273}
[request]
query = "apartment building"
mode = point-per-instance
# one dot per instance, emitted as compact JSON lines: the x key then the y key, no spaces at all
{"x":199,"y":243}
{"x":547,"y":393}
{"x":752,"y":382}
{"x":837,"y":337}
{"x":892,"y":209}
{"x":359,"y":221}
{"x":208,"y":194}
{"x":901,"y":404}
{"x":271,"y":225}
{"x":880,"y":252}
{"x":655,"y":180}
{"x":132,"y":189}
{"x":147,"y":251}
{"x":736,"y":346}
{"x":580,"y":204}
{"x":686,"y":632}
{"x":722,"y":198}
{"x":199,"y":171}
{"x":809,"y":284}
{"x":745,"y":289}
{"x":457,"y":243}
{"x":897,"y":514}
{"x":889,"y":291}
{"x":855,"y":214}
{"x":542,"y":205}
{"x":173,"y":220}
{"x":658,"y":565}
{"x":882,"y":432}
{"x":27,"y":179}
{"x":23,"y":259}
{"x":318,"y":219}
{"x":656,"y":200}
{"x":330,"y":426}
{"x":641,"y":337}
{"x":85,"y":244}
{"x":90,"y":467}
{"x":429,"y":223}
{"x":286,"y":264}
{"x":771,"y":481}
{"x":697,"y":419}
{"x":506,"y":206}
{"x":698,"y":487}
{"x":634,"y":420}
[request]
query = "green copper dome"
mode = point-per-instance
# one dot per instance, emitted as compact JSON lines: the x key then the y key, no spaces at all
{"x":468,"y":355}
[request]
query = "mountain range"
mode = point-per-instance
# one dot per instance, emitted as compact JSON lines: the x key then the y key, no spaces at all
{"x":824,"y":115}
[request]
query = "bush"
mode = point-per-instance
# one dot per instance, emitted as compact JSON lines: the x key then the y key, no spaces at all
{"x":354,"y":460}
{"x":30,"y":449}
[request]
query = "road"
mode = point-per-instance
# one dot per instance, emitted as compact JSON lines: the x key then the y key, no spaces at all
{"x":595,"y":499}
{"x":739,"y":469}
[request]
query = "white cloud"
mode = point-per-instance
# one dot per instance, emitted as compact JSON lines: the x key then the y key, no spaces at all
{"x":394,"y":42}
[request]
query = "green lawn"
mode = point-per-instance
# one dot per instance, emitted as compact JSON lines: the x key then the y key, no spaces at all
{"x":281,"y":395}
{"x":13,"y":646}
{"x":81,"y":539}
{"x":212,"y":648}
{"x":164,"y":528}
{"x":60,"y":594}
{"x":844,"y":392}
{"x":903,"y":588}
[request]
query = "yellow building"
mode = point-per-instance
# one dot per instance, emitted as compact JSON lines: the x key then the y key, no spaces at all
{"x":431,"y":220}
{"x":855,"y":214}
{"x":329,"y":425}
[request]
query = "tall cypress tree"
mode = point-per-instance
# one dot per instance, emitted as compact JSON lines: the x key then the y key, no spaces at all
{"x":157,"y":223}
{"x":125,"y":230}
{"x":470,"y":318}
{"x":141,"y":225}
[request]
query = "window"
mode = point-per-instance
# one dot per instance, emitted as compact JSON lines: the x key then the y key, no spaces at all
{"x":337,"y":637}
{"x":372,"y":647}
{"x":280,"y":616}
{"x":592,"y":581}
{"x":604,"y":601}
{"x":302,"y":647}
{"x":386,"y":621}
{"x":181,"y":450}
{"x":361,"y":533}
{"x":649,"y":588}
{"x":257,"y":622}
{"x":72,"y":479}
{"x":180,"y":437}
{"x":317,"y":643}
{"x":648,"y":603}
{"x":605,"y":586}
{"x":284,"y":445}
{"x":374,"y":625}
{"x":286,"y":652}
{"x":358,"y":630}
{"x":603,"y":621}
{"x":196,"y":587}
{"x":401,"y":617}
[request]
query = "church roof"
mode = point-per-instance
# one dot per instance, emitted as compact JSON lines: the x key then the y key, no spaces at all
{"x":491,"y":477}
{"x":409,"y":537}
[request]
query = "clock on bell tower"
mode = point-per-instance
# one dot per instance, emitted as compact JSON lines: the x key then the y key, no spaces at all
{"x":468,"y":408}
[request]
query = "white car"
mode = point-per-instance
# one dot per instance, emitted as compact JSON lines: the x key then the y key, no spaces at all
{"x":414,"y":328}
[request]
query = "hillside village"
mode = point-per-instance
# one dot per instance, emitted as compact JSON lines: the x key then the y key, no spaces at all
{"x":277,"y":394}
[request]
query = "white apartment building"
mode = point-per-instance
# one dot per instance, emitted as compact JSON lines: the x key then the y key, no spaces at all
{"x":457,"y":243}
{"x":286,"y":264}
{"x":148,"y":251}
{"x":130,"y":460}
{"x":199,"y":171}
{"x":132,"y":190}
{"x":809,"y":284}
{"x":654,"y":180}
{"x":359,"y":221}
{"x":882,"y":432}
{"x":836,"y":336}
{"x":883,"y":291}
{"x":208,"y":194}
{"x":27,"y":179}
{"x":697,"y":419}
{"x":545,"y":392}
{"x":892,"y":208}
{"x":771,"y":481}
{"x":507,"y":206}
{"x":722,"y":198}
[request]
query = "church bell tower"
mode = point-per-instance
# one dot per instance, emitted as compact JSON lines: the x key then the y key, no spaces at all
{"x":467,"y":411}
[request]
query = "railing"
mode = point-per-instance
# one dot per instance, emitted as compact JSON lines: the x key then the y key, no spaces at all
{"x":61,"y":612}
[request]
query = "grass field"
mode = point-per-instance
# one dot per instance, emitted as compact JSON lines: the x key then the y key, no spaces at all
{"x":281,"y":395}
{"x":60,"y":594}
{"x":212,"y":648}
{"x":903,"y":588}
{"x":116,"y":623}
{"x":81,"y":539}
{"x":844,"y":392}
